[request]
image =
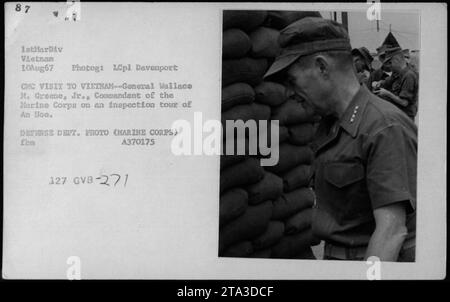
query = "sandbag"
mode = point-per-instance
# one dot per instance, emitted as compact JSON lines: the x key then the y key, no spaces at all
{"x":264,"y":43}
{"x":246,"y":147}
{"x":296,"y":178}
{"x":291,"y":245}
{"x":237,"y":94}
{"x":281,"y":19}
{"x":246,"y":112}
{"x":271,"y":235}
{"x":245,"y":20}
{"x":229,"y":160}
{"x":238,"y":146}
{"x":290,"y":203}
{"x":251,"y":115}
{"x":292,"y":112}
{"x":268,"y":188}
{"x":291,"y":156}
{"x":242,"y":174}
{"x":233,"y":203}
{"x":301,"y":134}
{"x":283,"y":134}
{"x":249,"y":225}
{"x":235,"y":44}
{"x":306,"y":254}
{"x":235,"y":148}
{"x":241,"y":249}
{"x":270,"y":93}
{"x":261,"y":254}
{"x":247,"y":70}
{"x":299,"y":221}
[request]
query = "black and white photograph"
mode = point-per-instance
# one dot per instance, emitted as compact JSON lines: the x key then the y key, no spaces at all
{"x":344,"y":90}
{"x":224,"y":141}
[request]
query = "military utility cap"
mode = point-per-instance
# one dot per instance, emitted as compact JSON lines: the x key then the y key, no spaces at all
{"x":308,"y":36}
{"x":406,"y":53}
{"x":364,"y":53}
{"x":381,"y":52}
{"x":391,"y":52}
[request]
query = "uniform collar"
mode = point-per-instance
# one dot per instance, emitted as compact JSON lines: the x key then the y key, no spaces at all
{"x":352,"y":116}
{"x":349,"y":122}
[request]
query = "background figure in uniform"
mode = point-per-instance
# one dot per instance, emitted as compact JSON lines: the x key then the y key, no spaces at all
{"x":362,"y":61}
{"x":380,"y":75}
{"x":365,"y":148}
{"x":404,"y":86}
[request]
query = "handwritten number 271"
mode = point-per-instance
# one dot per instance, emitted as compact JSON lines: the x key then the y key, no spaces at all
{"x":112,"y":176}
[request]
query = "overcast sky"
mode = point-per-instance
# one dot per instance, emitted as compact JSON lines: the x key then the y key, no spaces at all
{"x":405,"y":27}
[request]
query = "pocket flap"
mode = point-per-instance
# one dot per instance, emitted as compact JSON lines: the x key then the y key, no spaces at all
{"x":343,"y":174}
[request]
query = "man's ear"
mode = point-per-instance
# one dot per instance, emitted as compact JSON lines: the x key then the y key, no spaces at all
{"x":322,"y":64}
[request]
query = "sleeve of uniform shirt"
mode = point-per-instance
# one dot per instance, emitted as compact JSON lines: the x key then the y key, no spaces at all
{"x":387,"y":84}
{"x":391,"y":167}
{"x":408,"y":88}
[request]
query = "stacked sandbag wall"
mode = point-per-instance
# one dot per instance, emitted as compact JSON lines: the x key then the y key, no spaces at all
{"x":265,"y":212}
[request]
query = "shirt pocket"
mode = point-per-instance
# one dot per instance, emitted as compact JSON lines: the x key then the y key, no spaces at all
{"x":348,"y":191}
{"x":343,"y":174}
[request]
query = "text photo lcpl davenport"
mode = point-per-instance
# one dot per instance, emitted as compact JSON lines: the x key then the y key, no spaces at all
{"x":344,"y":90}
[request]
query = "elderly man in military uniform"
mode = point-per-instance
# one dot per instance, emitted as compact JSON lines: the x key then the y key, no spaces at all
{"x":404,"y":88}
{"x":365,"y":151}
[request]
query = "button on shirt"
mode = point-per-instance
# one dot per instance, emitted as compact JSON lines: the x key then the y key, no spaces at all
{"x":364,"y":161}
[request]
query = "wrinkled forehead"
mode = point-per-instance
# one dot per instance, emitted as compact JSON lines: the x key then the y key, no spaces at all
{"x":302,"y":62}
